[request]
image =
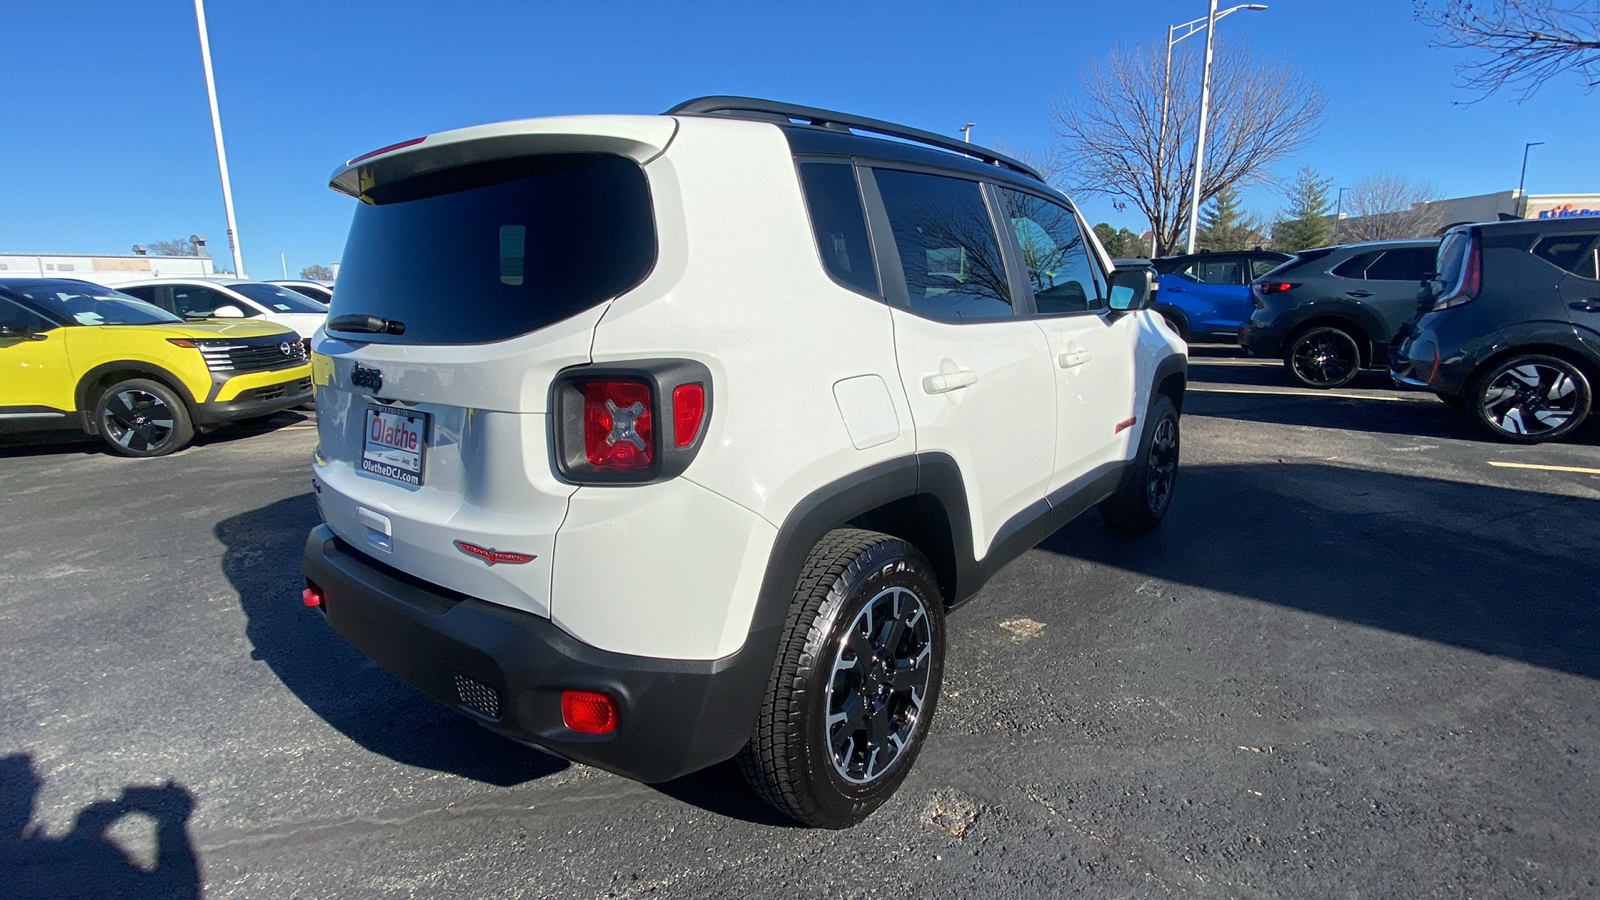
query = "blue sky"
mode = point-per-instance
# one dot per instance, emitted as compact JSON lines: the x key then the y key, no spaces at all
{"x":108,"y":141}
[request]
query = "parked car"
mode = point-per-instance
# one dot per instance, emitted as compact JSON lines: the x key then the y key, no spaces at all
{"x":658,"y":440}
{"x":1333,"y":311}
{"x":1207,"y":295}
{"x":320,"y":291}
{"x":231,"y":298}
{"x":1509,"y":327}
{"x":76,"y":355}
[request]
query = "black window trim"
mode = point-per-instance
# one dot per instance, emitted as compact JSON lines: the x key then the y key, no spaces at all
{"x":1016,"y":265}
{"x":861,"y":195}
{"x":892,"y":278}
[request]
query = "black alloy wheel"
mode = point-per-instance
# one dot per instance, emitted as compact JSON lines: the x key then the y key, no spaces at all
{"x":1532,"y":399}
{"x":1324,"y":357}
{"x":855,"y":683}
{"x":1144,"y":497}
{"x":142,"y":418}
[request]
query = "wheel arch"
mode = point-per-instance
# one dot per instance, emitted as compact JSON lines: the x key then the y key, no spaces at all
{"x":1173,"y":314}
{"x":1586,"y":364}
{"x":1357,"y":322}
{"x":104,"y":375}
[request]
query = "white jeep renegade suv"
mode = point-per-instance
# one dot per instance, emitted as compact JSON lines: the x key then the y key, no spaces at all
{"x":653,"y":441}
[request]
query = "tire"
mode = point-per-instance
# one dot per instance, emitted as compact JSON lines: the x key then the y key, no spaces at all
{"x":1530,"y":399}
{"x":1142,"y":501}
{"x":140,"y":417}
{"x":811,"y":756}
{"x":1325,"y":357}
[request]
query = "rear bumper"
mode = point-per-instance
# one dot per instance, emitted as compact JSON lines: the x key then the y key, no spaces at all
{"x":507,"y":668}
{"x":1258,"y":341}
{"x":261,"y":401}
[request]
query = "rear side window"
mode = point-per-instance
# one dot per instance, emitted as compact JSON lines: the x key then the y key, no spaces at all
{"x":1214,"y":271}
{"x":839,"y":224}
{"x":494,"y":250}
{"x":947,"y":245}
{"x":1261,"y":265}
{"x":1409,"y":264}
{"x":1573,"y":252}
{"x":1356,"y":266}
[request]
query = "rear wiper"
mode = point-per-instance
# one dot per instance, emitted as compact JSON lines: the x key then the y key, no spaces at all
{"x":368,"y":323}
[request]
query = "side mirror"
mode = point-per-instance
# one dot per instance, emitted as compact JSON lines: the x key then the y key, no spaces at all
{"x":227,"y":311}
{"x":1131,"y":289}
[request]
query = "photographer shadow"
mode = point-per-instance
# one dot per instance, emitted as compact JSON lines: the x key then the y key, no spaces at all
{"x":85,"y":862}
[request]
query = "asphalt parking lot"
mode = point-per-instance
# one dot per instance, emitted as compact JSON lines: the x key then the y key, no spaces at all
{"x":1361,"y":658}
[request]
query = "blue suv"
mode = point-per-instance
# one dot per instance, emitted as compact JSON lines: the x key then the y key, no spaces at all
{"x":1208,"y":294}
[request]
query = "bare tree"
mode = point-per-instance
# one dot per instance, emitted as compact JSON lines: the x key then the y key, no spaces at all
{"x":175,"y":247}
{"x":317,"y":272}
{"x":1521,"y":43}
{"x":1388,"y":207}
{"x":1113,"y":142}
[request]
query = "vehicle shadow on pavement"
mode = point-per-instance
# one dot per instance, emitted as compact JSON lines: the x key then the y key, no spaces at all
{"x":720,"y":789}
{"x":85,"y":862}
{"x":1375,"y":416}
{"x":1500,"y":571}
{"x":337,"y":682}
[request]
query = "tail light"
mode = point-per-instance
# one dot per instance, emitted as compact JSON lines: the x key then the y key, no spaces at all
{"x":313,"y":595}
{"x":589,"y":712}
{"x":1276,"y":287}
{"x":630,"y":423}
{"x":1471,"y":279}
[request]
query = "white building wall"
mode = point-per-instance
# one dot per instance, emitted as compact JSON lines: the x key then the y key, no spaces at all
{"x":106,"y":270}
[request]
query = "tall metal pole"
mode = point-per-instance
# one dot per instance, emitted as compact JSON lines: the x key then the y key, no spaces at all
{"x":1522,"y":182}
{"x":1338,"y":215}
{"x":966,"y":131}
{"x":1200,"y":140}
{"x":216,"y":131}
{"x":1161,"y":143}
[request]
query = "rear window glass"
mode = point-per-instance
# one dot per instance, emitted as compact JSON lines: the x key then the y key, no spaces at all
{"x":1409,"y":264}
{"x":947,"y":243}
{"x":490,"y":251}
{"x":1356,"y":266}
{"x":1213,"y":271}
{"x":839,"y":223}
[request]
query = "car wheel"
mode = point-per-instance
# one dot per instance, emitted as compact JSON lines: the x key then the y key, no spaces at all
{"x":855,"y":684}
{"x":1176,"y":323}
{"x":1531,"y":399}
{"x":1325,"y":357}
{"x":1142,"y":501}
{"x":141,"y":417}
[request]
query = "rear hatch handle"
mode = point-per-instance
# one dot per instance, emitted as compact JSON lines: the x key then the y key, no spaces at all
{"x":367,"y":323}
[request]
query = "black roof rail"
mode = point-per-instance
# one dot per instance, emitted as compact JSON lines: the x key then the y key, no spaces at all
{"x":755,"y":108}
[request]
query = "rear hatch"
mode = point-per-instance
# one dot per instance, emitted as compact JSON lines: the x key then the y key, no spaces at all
{"x":477,"y":267}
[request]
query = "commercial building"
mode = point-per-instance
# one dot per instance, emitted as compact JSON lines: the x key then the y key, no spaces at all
{"x":106,"y":270}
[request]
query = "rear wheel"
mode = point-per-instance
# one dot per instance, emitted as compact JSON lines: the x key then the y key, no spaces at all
{"x":1531,"y":399}
{"x":1324,"y":357}
{"x":141,"y":417}
{"x":855,"y":683}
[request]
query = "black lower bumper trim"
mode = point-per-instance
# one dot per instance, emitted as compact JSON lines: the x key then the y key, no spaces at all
{"x":261,"y":401}
{"x":675,"y":716}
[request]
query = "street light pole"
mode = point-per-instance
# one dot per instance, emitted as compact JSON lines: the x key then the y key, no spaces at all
{"x":1338,"y":215}
{"x":1200,"y":139}
{"x":1521,"y":182}
{"x":216,"y":131}
{"x":966,"y":131}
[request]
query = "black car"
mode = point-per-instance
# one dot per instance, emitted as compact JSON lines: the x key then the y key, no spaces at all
{"x":1509,"y":328}
{"x":1207,"y":295}
{"x":1333,"y":311}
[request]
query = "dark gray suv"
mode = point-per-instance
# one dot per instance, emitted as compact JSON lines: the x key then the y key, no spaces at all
{"x":1333,"y":311}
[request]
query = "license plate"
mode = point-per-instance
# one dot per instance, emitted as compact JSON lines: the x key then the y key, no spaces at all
{"x":395,"y":445}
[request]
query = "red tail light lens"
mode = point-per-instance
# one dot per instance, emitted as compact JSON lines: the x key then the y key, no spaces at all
{"x":588,"y":711}
{"x":1276,"y":287}
{"x":688,"y":408}
{"x":312,"y":596}
{"x":617,"y":426}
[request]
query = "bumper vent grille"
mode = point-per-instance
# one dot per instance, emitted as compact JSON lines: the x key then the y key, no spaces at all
{"x":478,"y":697}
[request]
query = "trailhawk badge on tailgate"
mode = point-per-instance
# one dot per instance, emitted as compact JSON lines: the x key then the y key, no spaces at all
{"x":490,"y":556}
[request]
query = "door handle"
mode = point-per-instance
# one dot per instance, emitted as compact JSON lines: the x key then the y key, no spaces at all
{"x":1073,"y":358}
{"x":945,"y":382}
{"x":1590,"y":305}
{"x":1358,"y":293}
{"x":1175,"y":290}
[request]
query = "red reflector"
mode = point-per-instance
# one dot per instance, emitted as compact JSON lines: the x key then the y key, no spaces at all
{"x":617,"y":426}
{"x":1125,"y":424}
{"x":312,"y":596}
{"x":410,"y":143}
{"x":688,"y":406}
{"x":1276,"y":287}
{"x":588,"y":712}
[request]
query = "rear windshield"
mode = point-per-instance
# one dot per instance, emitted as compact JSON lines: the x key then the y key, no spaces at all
{"x":490,"y":251}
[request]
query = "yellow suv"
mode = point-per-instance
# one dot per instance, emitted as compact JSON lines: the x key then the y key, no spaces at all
{"x":77,"y":355}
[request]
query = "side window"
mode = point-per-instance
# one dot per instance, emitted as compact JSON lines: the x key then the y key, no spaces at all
{"x":1064,"y":278}
{"x":947,"y":245}
{"x":839,"y":224}
{"x":15,"y":314}
{"x":145,"y":292}
{"x":1222,"y":270}
{"x":1260,"y":266}
{"x":1573,"y":252}
{"x":1409,"y":264}
{"x":1356,"y":266}
{"x":194,"y":302}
